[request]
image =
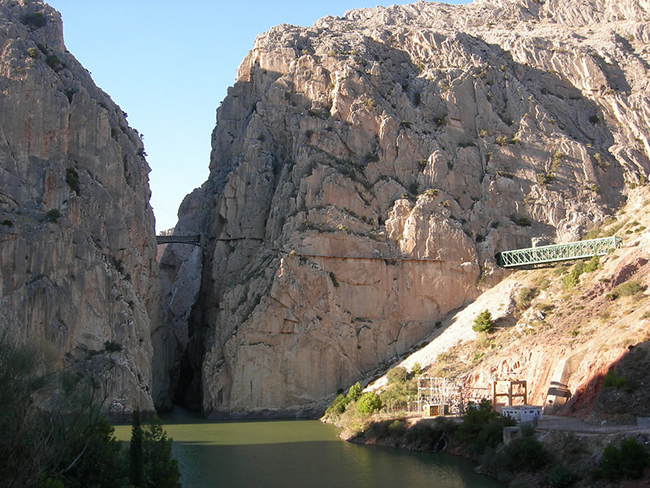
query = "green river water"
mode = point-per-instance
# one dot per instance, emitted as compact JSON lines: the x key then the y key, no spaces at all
{"x":300,"y":453}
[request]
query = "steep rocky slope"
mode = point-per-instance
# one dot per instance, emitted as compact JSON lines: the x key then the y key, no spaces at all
{"x":366,"y":170}
{"x":563,"y":336}
{"x":77,"y":247}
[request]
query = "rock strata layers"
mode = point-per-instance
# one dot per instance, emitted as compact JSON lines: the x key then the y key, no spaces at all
{"x":77,"y":245}
{"x":366,"y":170}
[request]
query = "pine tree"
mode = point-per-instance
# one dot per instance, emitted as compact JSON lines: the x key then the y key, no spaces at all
{"x":136,"y":452}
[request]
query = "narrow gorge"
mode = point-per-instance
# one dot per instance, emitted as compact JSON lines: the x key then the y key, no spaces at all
{"x":366,"y":170}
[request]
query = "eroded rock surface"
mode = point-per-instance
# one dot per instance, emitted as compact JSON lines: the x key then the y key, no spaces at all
{"x":366,"y":170}
{"x":77,"y":246}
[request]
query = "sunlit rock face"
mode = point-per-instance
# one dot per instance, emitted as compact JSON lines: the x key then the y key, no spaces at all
{"x":77,"y":245}
{"x":366,"y":170}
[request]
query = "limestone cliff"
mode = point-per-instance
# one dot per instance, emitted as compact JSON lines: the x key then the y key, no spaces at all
{"x":366,"y":170}
{"x":77,"y":246}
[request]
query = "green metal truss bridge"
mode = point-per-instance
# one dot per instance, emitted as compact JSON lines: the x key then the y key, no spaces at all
{"x":558,"y":252}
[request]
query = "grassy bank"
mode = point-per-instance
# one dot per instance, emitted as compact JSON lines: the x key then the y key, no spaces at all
{"x":532,"y":458}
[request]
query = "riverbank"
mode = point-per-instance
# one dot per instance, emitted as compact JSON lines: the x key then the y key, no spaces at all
{"x":561,"y":452}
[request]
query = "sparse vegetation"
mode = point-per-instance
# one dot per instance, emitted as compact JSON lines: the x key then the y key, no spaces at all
{"x":520,"y":221}
{"x":612,"y":380}
{"x":35,"y":20}
{"x":72,"y":179}
{"x":501,"y":140}
{"x":52,"y":216}
{"x":335,"y":282}
{"x":525,"y":297}
{"x":627,"y":289}
{"x":544,"y":178}
{"x":572,"y":278}
{"x":54,"y":62}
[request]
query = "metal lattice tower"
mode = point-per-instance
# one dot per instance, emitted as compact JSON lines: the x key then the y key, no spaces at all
{"x":559,"y":252}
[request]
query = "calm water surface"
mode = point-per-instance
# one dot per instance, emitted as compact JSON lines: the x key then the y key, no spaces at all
{"x":297,"y":453}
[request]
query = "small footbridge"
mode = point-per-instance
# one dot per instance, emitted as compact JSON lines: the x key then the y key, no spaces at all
{"x":194,"y":240}
{"x":558,"y":252}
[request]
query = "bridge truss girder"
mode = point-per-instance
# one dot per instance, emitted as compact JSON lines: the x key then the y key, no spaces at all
{"x":559,"y":252}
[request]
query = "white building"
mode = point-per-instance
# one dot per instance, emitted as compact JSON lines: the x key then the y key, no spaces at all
{"x":522,"y":413}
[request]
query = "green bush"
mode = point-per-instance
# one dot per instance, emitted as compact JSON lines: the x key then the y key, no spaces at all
{"x":52,"y":216}
{"x":629,"y":460}
{"x":612,"y":380}
{"x":394,"y":428}
{"x":54,"y":62}
{"x":520,"y":221}
{"x":627,"y":289}
{"x":525,"y":297}
{"x":354,"y":392}
{"x":72,"y":179}
{"x":416,"y":369}
{"x":572,"y":279}
{"x":592,"y":265}
{"x":483,"y":322}
{"x":524,"y":454}
{"x":544,"y":178}
{"x":482,"y":427}
{"x":112,"y":346}
{"x":35,"y":20}
{"x":397,"y":375}
{"x":561,"y":477}
{"x":368,"y":403}
{"x":338,"y":406}
{"x":429,"y":436}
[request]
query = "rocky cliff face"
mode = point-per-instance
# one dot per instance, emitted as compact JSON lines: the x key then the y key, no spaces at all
{"x":77,"y":247}
{"x":366,"y":170}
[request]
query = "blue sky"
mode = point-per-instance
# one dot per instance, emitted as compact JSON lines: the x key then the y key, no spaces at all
{"x":168,"y":64}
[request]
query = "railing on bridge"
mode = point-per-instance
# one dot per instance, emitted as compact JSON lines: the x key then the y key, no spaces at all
{"x":558,"y":252}
{"x":194,"y":240}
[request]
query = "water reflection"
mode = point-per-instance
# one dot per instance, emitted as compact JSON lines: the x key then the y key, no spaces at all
{"x":285,"y":454}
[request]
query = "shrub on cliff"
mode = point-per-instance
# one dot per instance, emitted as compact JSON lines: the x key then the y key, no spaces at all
{"x":35,"y":20}
{"x":483,"y":322}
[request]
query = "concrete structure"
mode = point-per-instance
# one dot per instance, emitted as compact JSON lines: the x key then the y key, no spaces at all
{"x":523,"y":413}
{"x":513,"y":390}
